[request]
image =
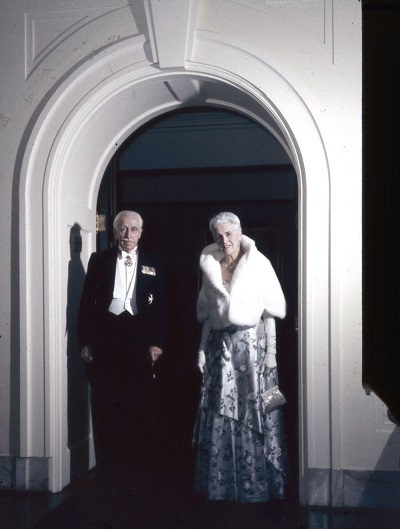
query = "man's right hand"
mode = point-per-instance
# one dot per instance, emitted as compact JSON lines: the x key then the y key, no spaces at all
{"x":86,"y":354}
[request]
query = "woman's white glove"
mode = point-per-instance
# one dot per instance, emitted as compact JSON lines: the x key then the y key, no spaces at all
{"x":201,"y":360}
{"x":270,"y":336}
{"x":201,"y":356}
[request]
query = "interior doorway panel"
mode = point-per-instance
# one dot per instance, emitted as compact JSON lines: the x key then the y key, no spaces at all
{"x":176,"y":205}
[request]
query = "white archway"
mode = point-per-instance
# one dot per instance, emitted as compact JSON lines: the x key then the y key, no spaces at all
{"x":76,"y":135}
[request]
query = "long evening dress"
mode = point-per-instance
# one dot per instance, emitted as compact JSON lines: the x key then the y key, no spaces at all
{"x":240,"y":453}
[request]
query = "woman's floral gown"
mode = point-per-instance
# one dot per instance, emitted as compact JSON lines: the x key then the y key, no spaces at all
{"x":240,"y":455}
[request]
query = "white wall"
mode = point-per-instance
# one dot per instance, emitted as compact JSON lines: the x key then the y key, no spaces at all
{"x":71,"y":67}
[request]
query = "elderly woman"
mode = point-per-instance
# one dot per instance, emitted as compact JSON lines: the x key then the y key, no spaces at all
{"x":239,"y":446}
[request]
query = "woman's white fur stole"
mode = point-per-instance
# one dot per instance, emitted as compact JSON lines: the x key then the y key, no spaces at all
{"x":255,"y":290}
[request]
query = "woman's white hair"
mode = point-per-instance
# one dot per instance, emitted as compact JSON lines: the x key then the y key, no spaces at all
{"x":127,"y":213}
{"x":225,"y":217}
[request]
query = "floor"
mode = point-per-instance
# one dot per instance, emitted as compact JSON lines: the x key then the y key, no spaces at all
{"x":166,"y":502}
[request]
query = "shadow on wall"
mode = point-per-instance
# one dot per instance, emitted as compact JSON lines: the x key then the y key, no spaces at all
{"x":380,"y":489}
{"x":78,"y":392}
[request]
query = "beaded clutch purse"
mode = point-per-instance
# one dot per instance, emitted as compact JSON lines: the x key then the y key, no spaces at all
{"x":272,"y":399}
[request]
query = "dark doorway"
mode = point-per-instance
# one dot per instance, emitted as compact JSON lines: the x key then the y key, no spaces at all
{"x":176,"y":203}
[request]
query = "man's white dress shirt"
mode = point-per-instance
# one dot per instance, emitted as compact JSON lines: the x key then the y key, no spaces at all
{"x":124,"y":295}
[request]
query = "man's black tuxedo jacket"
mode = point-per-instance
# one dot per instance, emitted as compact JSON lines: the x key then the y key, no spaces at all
{"x":98,"y":292}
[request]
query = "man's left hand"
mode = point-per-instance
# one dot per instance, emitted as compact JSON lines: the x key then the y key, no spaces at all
{"x":155,"y":353}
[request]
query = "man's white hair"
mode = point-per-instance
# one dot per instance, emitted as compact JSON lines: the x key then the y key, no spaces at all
{"x":126,"y":213}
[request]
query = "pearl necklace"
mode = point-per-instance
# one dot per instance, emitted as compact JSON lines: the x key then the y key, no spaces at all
{"x":230,"y":268}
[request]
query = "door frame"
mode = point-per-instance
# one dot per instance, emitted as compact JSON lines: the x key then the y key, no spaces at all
{"x":63,"y":165}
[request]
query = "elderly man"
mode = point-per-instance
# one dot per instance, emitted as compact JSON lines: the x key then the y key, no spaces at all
{"x":122,"y":334}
